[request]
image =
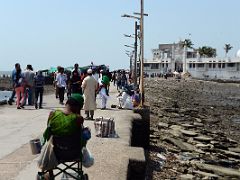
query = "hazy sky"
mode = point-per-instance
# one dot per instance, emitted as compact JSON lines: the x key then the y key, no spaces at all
{"x":48,"y":33}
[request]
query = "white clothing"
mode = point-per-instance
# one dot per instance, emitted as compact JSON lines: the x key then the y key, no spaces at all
{"x":89,"y":87}
{"x":61,"y":80}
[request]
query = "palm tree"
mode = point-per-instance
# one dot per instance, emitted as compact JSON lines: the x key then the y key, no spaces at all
{"x":207,"y":51}
{"x":227,"y":48}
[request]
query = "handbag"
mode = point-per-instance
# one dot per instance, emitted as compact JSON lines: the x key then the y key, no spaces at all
{"x":47,"y":159}
{"x":105,"y":127}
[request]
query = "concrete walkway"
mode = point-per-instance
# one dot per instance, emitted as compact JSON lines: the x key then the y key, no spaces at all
{"x":111,"y":155}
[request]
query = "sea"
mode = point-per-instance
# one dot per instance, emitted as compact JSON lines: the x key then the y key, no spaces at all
{"x":5,"y":95}
{"x":6,"y":73}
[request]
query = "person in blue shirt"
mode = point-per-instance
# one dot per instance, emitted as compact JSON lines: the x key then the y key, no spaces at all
{"x":14,"y":73}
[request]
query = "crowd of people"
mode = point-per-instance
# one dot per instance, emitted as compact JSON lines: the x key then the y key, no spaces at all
{"x":28,"y":86}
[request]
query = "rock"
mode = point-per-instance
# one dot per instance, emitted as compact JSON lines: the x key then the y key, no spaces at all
{"x":203,"y":138}
{"x":162,"y":125}
{"x":197,"y":124}
{"x":188,"y":133}
{"x":236,"y":150}
{"x":229,"y":153}
{"x":219,"y":170}
{"x":204,"y":146}
{"x":186,"y":177}
{"x":180,"y":144}
{"x":162,"y":157}
{"x":206,"y":175}
{"x":187,"y":125}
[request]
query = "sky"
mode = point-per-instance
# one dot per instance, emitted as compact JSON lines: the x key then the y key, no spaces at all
{"x":48,"y":33}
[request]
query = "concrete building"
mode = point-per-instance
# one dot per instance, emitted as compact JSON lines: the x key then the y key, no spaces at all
{"x":168,"y":58}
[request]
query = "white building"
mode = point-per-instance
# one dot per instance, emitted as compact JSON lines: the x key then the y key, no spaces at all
{"x":170,"y":57}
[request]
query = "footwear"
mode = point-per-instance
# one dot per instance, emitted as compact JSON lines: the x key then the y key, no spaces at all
{"x":36,"y":106}
{"x":19,"y":107}
{"x":91,"y":118}
{"x":103,"y":108}
{"x":22,"y":107}
{"x":87,"y":118}
{"x":40,"y":107}
{"x":9,"y":102}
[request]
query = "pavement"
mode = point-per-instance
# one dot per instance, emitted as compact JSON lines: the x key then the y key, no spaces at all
{"x":111,"y":155}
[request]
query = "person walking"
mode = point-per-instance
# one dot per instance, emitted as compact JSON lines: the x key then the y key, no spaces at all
{"x":29,"y":80}
{"x":17,"y":66}
{"x":19,"y":87}
{"x":61,"y":83}
{"x":89,"y":87}
{"x":75,"y":81}
{"x":39,"y":82}
{"x":103,"y":91}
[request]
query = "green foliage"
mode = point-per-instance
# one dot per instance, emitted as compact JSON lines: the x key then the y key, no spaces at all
{"x":207,"y":51}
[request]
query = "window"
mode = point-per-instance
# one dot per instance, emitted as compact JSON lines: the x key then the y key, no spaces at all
{"x":146,"y":65}
{"x":162,"y":65}
{"x":219,"y":65}
{"x":231,"y":65}
{"x":193,"y":65}
{"x":210,"y":65}
{"x":223,"y":65}
{"x":200,"y":65}
{"x":190,"y":65}
{"x":155,"y":66}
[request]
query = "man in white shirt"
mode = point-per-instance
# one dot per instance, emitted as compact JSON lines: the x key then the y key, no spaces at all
{"x":61,"y":83}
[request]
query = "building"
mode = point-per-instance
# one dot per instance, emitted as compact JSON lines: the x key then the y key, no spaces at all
{"x":168,"y":58}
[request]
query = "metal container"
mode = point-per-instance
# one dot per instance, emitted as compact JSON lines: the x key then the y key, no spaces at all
{"x":35,"y":145}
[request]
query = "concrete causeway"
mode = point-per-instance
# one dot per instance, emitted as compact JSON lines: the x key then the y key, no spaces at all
{"x":112,"y":155}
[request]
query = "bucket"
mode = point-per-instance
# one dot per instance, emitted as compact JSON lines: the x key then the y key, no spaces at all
{"x":35,"y":145}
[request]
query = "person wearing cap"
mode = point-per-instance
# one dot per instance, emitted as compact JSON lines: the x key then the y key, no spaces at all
{"x":103,"y":91}
{"x":65,"y":122}
{"x":89,"y":87}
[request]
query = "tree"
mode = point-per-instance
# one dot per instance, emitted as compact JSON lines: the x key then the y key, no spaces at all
{"x":227,"y":48}
{"x":187,"y":43}
{"x":207,"y":51}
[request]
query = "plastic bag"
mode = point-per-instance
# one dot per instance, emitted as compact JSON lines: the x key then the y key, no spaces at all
{"x":88,"y":159}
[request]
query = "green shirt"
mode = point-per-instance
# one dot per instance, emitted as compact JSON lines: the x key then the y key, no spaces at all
{"x":61,"y":124}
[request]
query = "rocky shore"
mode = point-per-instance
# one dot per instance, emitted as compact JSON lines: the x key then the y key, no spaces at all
{"x":194,"y":129}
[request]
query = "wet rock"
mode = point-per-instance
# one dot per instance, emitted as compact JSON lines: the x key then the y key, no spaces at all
{"x":188,"y":133}
{"x":203,"y":138}
{"x":180,"y":144}
{"x":197,"y":124}
{"x":206,"y":175}
{"x":236,"y":150}
{"x":186,"y":177}
{"x":162,"y":125}
{"x":219,"y":170}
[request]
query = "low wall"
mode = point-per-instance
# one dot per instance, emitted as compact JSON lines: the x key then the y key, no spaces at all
{"x":5,"y":83}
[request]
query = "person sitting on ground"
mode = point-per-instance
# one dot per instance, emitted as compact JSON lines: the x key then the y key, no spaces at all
{"x":136,"y":98}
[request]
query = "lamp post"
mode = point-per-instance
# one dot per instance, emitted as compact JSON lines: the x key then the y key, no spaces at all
{"x":141,"y":19}
{"x":142,"y":52}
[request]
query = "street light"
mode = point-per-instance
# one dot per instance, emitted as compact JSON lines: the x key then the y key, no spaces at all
{"x":129,"y":46}
{"x":130,"y":16}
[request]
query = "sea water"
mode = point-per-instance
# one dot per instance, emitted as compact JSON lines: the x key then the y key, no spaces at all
{"x":5,"y":95}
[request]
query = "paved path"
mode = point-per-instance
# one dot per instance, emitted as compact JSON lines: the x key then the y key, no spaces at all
{"x":17,"y":127}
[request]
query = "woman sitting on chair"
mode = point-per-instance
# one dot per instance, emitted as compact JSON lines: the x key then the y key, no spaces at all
{"x":65,"y":122}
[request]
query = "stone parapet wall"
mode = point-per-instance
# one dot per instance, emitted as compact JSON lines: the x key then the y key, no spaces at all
{"x":5,"y":83}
